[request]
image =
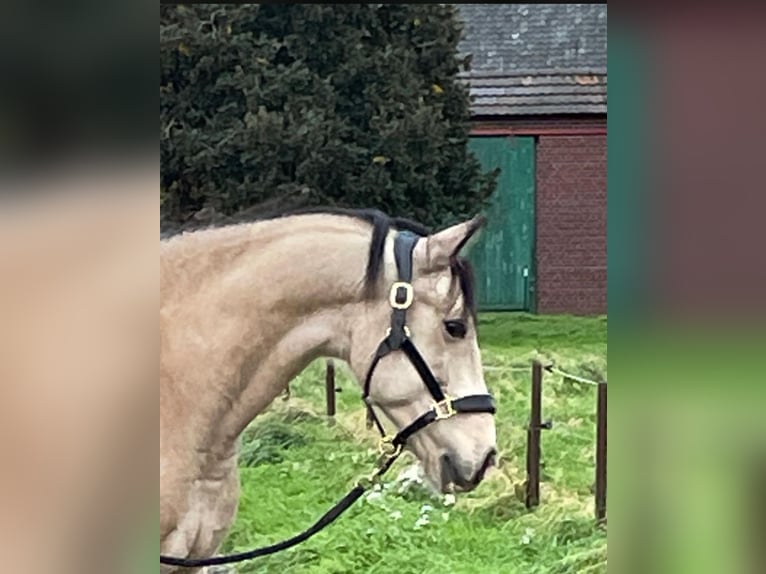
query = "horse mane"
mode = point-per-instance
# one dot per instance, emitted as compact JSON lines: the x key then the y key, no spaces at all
{"x":381,"y":225}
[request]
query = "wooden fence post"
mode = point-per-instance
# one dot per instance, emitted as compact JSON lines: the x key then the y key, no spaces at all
{"x":601,"y":454}
{"x":533,"y":438}
{"x":329,"y":382}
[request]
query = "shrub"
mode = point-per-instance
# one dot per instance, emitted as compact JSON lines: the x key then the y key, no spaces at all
{"x":280,"y":106}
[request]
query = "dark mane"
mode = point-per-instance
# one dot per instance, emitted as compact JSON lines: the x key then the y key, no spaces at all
{"x":381,"y":225}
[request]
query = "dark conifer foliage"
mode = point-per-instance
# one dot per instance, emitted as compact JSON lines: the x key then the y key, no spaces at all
{"x":266,"y":107}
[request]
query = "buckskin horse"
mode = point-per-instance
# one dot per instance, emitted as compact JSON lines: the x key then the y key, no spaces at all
{"x":245,"y":308}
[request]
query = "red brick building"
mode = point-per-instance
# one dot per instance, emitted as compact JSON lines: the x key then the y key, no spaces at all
{"x":538,"y":74}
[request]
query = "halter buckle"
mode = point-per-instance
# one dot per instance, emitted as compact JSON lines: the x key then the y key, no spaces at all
{"x":408,"y":295}
{"x":444,"y":409}
{"x":386,"y":446}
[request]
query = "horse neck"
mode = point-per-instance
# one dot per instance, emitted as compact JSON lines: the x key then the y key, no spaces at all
{"x":246,"y":309}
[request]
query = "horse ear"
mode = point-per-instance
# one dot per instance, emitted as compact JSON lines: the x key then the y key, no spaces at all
{"x":438,"y":249}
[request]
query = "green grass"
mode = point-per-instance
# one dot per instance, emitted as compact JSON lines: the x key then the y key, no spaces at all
{"x":295,"y":466}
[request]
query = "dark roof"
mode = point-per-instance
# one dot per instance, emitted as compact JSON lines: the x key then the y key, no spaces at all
{"x":535,"y":58}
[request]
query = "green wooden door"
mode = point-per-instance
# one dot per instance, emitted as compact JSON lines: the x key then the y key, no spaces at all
{"x":503,"y":256}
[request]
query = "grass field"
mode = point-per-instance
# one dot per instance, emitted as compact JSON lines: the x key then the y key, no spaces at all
{"x":295,"y":465}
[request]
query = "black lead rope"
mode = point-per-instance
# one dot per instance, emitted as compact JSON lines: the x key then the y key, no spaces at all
{"x":326,"y":519}
{"x":397,"y":339}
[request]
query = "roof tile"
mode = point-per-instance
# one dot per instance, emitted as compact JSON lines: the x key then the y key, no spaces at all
{"x":535,"y":58}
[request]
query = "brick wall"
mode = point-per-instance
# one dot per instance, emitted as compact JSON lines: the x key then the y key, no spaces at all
{"x":540,"y":124}
{"x":571,"y":224}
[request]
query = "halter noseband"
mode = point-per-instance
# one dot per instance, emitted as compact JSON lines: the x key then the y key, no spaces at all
{"x":398,"y":339}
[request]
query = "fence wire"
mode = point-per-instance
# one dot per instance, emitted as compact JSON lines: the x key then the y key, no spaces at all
{"x":569,"y":376}
{"x":549,"y":368}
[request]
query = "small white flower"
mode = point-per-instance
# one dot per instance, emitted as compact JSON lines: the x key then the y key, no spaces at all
{"x":526,"y":538}
{"x":426,"y":508}
{"x":395,"y":515}
{"x":421,"y":522}
{"x":449,"y":499}
{"x":412,"y":473}
{"x":374,"y":495}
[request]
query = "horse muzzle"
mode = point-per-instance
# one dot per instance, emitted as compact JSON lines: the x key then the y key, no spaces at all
{"x":464,"y":480}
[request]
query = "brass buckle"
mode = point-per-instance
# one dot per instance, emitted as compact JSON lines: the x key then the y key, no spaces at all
{"x":444,"y":409}
{"x":408,"y":297}
{"x":386,"y":446}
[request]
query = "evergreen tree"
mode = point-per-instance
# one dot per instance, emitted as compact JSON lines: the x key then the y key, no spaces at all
{"x":291,"y":105}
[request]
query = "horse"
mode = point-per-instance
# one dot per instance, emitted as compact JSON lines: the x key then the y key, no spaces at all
{"x":245,"y":308}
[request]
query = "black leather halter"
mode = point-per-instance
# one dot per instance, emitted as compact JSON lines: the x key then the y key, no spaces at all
{"x":398,"y":338}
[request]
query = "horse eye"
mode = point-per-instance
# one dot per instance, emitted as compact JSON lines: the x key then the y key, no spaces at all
{"x":455,"y":328}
